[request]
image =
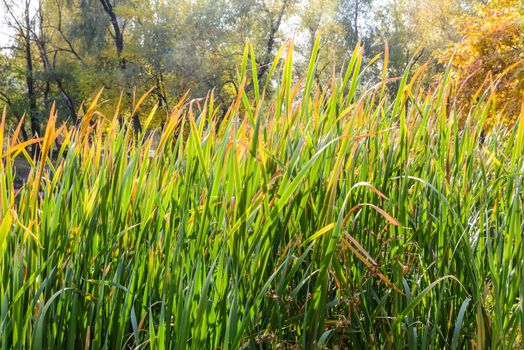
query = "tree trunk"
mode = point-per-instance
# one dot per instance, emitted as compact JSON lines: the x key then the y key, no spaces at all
{"x":68,"y":100}
{"x":25,"y":137}
{"x":271,"y":39}
{"x":274,"y":27}
{"x":119,"y":46}
{"x":118,"y":32}
{"x":30,"y":82}
{"x":50,"y":68}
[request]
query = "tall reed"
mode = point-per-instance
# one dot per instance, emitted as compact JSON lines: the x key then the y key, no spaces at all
{"x":310,"y":217}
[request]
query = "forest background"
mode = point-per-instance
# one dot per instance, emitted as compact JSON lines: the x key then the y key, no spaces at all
{"x":64,"y":51}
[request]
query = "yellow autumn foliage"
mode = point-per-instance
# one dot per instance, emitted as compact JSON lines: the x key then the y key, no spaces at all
{"x":491,"y":50}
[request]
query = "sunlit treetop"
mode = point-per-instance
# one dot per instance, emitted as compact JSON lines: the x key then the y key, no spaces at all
{"x":491,"y":49}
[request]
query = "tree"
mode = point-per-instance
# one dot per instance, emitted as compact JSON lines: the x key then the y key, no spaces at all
{"x":274,"y":15}
{"x":491,"y":49}
{"x":323,"y":17}
{"x":76,"y":47}
{"x":350,"y":16}
{"x":22,"y":30}
{"x":12,"y":91}
{"x":42,"y":40}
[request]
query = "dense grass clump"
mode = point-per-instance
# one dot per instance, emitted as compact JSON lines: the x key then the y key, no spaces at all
{"x":315,"y":217}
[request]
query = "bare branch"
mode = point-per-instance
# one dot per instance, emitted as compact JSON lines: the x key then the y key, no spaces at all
{"x":5,"y":98}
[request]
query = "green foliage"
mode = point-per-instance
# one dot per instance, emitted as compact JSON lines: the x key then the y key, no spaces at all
{"x":11,"y":88}
{"x":309,"y":218}
{"x":175,"y":46}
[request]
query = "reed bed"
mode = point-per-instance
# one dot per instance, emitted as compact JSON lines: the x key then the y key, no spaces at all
{"x":306,"y":218}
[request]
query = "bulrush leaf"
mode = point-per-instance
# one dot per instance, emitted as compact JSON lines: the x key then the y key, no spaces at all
{"x":290,"y":218}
